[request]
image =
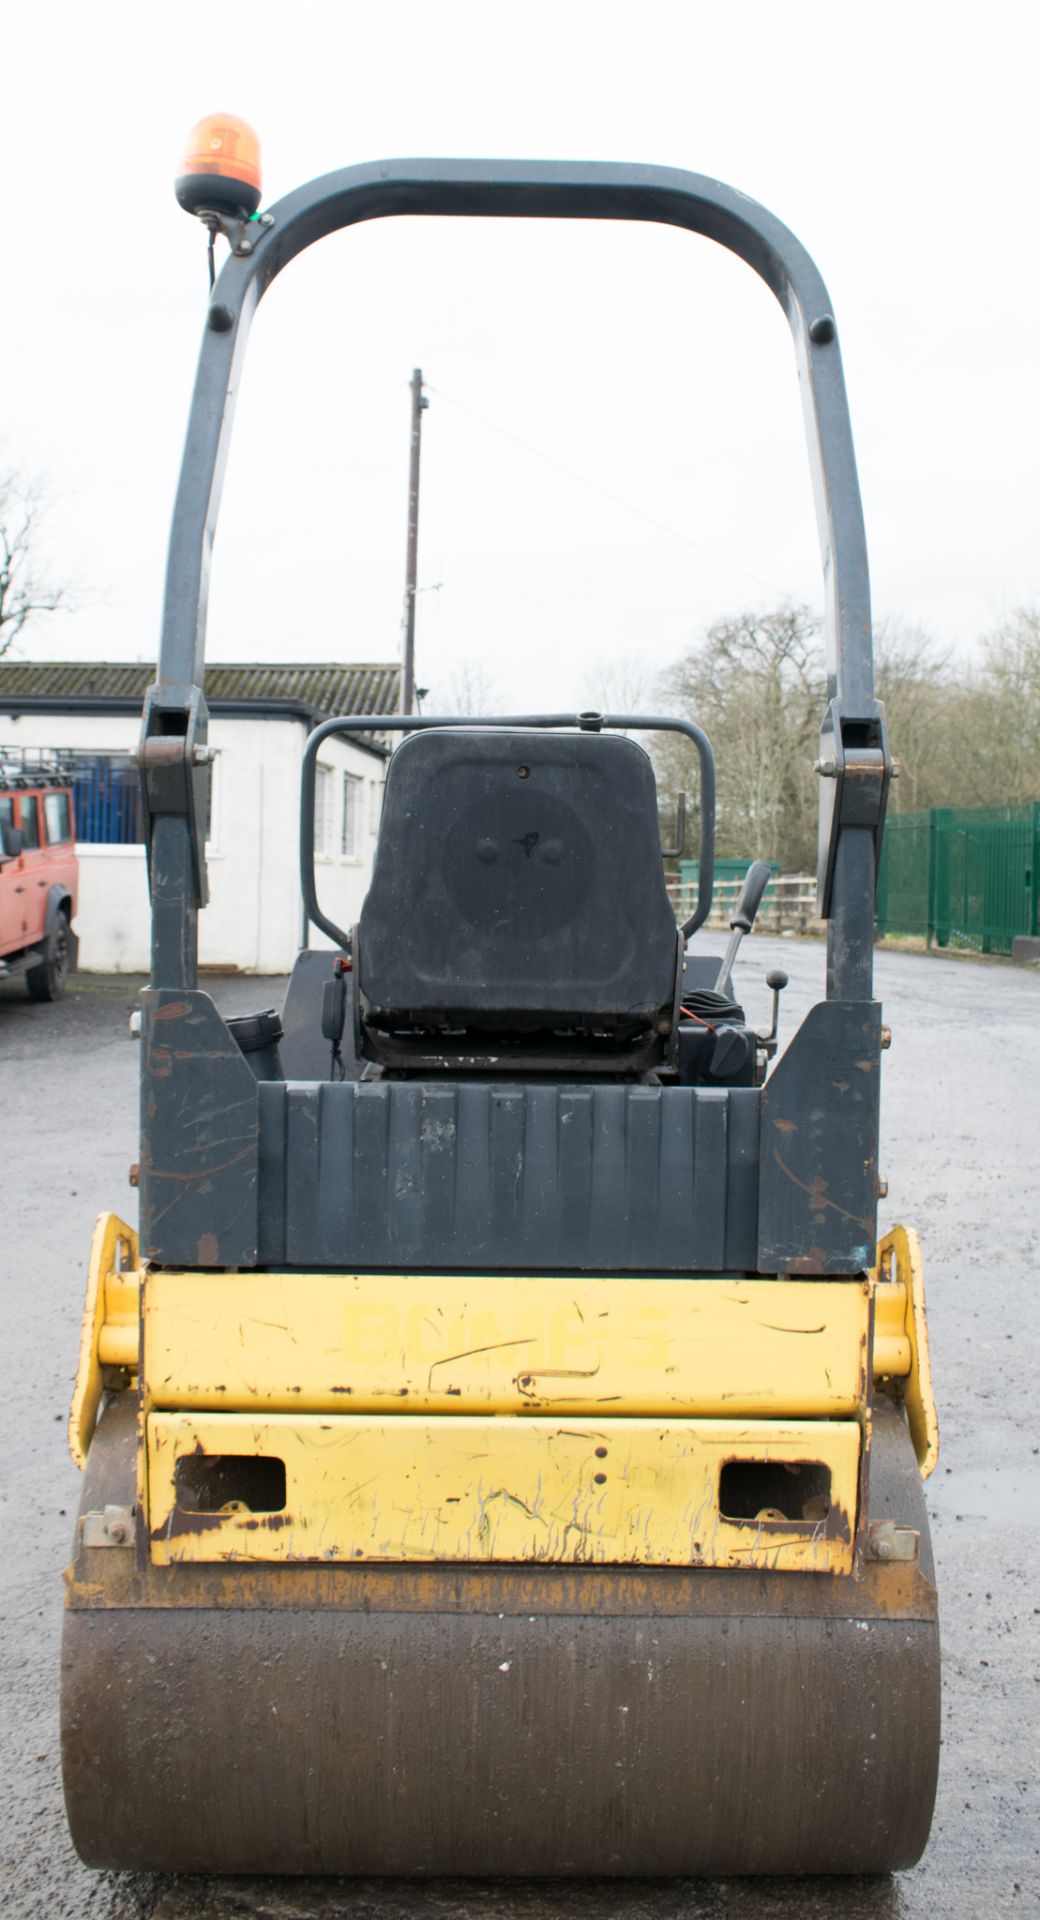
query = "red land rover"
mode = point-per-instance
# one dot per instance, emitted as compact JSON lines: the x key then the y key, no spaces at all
{"x":38,"y":871}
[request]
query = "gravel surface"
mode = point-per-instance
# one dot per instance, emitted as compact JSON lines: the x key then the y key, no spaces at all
{"x":959,"y":1151}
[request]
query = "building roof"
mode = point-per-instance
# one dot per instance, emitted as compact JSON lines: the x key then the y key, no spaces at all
{"x":315,"y":691}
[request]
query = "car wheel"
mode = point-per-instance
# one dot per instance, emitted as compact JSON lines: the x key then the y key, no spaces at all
{"x":48,"y":981}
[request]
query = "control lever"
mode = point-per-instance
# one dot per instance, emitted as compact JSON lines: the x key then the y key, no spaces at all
{"x":777,"y":981}
{"x":756,"y":880}
{"x":334,"y":1013}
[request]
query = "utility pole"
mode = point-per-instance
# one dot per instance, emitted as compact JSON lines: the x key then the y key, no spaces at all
{"x":419,"y":402}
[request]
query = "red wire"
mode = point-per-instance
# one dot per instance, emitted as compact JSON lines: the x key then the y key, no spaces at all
{"x":690,"y":1015}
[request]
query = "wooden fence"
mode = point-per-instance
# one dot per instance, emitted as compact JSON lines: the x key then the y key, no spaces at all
{"x":789,"y":904}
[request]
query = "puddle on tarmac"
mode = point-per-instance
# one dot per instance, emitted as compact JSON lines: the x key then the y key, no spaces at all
{"x":995,"y":1497}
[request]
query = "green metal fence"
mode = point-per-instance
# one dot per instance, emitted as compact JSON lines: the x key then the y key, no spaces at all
{"x":963,"y":877}
{"x":904,"y":883}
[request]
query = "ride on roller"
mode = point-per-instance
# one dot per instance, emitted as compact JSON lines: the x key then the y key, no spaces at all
{"x":503,"y":1436}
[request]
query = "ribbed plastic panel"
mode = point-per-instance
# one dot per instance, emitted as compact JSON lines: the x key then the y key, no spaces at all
{"x":541,"y":1178}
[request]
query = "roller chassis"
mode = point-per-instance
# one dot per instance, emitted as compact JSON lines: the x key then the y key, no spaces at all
{"x":513,"y":1431}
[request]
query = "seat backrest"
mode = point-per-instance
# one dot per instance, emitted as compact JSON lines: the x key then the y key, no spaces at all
{"x":517,"y":885}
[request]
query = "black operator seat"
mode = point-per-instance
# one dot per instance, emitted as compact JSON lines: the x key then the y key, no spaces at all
{"x":518,"y":889}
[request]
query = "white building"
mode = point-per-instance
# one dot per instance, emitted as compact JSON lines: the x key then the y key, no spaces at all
{"x":260,"y":717}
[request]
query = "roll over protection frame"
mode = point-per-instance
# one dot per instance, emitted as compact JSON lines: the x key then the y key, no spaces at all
{"x":583,"y":722}
{"x":855,"y":764}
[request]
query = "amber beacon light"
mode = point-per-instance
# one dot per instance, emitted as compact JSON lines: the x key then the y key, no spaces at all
{"x":220,"y":172}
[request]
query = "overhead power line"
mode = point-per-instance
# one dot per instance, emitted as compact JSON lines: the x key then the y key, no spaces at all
{"x":605,"y":493}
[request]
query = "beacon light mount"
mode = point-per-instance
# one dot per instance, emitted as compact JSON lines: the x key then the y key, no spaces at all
{"x":219,"y":181}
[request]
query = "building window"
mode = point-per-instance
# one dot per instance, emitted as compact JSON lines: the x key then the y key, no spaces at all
{"x":107,"y":805}
{"x":106,"y":798}
{"x":323,"y":810}
{"x":57,"y":818}
{"x":350,"y":840}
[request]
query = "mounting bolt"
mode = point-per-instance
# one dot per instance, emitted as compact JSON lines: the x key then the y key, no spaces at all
{"x":825,"y":768}
{"x":244,"y":246}
{"x":881,"y":1189}
{"x":134,"y":1175}
{"x":886,"y":1039}
{"x":888,"y":1541}
{"x":135,"y":1024}
{"x":111,"y":1526}
{"x":204,"y":756}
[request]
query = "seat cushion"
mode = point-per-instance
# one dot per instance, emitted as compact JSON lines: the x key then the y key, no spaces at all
{"x":517,"y":883}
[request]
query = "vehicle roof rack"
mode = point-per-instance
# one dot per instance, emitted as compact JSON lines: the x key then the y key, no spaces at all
{"x":35,"y":767}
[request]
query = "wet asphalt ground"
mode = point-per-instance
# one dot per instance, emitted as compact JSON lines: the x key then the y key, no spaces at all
{"x":959,"y":1148}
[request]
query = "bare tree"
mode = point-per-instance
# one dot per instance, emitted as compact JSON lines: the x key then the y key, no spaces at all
{"x":965,"y":736}
{"x":27,"y":588}
{"x":998,"y":758}
{"x":620,"y":683}
{"x":755,"y":683}
{"x":922,"y":695}
{"x":471,"y":689}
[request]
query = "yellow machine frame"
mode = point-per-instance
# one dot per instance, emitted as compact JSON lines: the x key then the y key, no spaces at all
{"x":532,"y":1420}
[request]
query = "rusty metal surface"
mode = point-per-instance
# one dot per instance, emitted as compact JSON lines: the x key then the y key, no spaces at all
{"x":608,"y":1734}
{"x":976,"y":1042}
{"x":473,"y":1489}
{"x":405,"y":1343}
{"x":473,"y":1176}
{"x":161,"y":750}
{"x":818,"y":1148}
{"x":129,"y":1580}
{"x":199,"y":1136}
{"x":431,"y":1744}
{"x":880,"y":1593}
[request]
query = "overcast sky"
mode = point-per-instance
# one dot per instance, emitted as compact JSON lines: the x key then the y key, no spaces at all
{"x":899,"y":141}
